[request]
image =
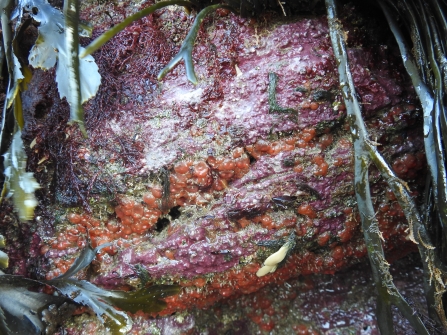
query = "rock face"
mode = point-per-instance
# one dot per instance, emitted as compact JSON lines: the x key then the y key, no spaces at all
{"x":198,"y":185}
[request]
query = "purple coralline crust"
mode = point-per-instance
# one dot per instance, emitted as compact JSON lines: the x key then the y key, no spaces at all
{"x":61,"y":253}
{"x":332,"y":225}
{"x":176,"y":122}
{"x":197,"y":240}
{"x":169,"y":325}
{"x":175,"y":325}
{"x":193,"y":255}
{"x":412,"y":143}
{"x":299,"y":53}
{"x":180,"y":123}
{"x":374,"y":84}
{"x":194,"y":258}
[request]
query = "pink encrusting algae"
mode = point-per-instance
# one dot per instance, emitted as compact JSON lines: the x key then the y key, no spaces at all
{"x":186,"y":181}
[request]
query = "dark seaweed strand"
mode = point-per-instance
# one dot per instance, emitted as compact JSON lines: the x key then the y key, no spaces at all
{"x":71,"y":13}
{"x":439,"y":64}
{"x":427,"y":218}
{"x":388,"y":293}
{"x":435,"y":51}
{"x":7,"y":46}
{"x":185,"y":51}
{"x":423,"y":26}
{"x":441,"y":19}
{"x":440,"y":44}
{"x":411,"y":20}
{"x":430,"y":290}
{"x":5,"y":11}
{"x":425,"y":96}
{"x":433,"y":265}
{"x":273,"y":104}
{"x":422,"y":90}
{"x":432,"y":42}
{"x":2,"y":60}
{"x":166,"y":184}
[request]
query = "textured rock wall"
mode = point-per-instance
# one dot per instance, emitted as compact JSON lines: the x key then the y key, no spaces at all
{"x":189,"y":182}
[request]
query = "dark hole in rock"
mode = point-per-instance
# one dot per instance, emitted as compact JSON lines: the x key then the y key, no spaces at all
{"x":40,"y":111}
{"x":162,"y":224}
{"x":175,"y":212}
{"x":252,"y":159}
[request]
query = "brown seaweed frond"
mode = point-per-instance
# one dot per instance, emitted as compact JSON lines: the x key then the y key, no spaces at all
{"x":366,"y":152}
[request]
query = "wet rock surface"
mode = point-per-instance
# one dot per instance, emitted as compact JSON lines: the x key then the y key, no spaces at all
{"x":188,"y":181}
{"x":318,"y":304}
{"x":343,"y":303}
